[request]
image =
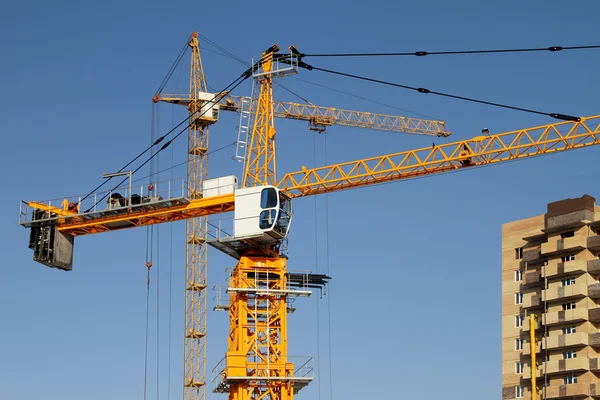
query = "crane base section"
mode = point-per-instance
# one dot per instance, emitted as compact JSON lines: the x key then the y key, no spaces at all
{"x":51,"y":247}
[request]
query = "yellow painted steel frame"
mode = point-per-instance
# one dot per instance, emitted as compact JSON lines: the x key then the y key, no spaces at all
{"x":533,"y":345}
{"x":77,"y":225}
{"x":258,"y":332}
{"x":260,"y":165}
{"x":50,"y":209}
{"x":482,"y":150}
{"x":328,"y":116}
{"x":196,"y":232}
{"x":478,"y":151}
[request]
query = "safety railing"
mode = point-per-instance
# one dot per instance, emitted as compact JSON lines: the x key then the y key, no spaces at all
{"x":280,"y":66}
{"x":222,"y":299}
{"x":219,"y":229}
{"x":125,"y":197}
{"x":304,"y":372}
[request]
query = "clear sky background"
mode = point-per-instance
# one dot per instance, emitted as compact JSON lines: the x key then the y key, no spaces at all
{"x":414,"y":303}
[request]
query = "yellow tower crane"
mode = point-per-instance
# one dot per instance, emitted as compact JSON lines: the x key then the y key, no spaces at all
{"x":196,"y":251}
{"x":256,"y":365}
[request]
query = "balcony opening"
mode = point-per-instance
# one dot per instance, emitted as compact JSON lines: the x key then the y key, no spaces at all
{"x":519,"y":274}
{"x":567,"y":234}
{"x":518,"y":253}
{"x":519,"y":390}
{"x":519,"y":321}
{"x":569,"y":379}
{"x":568,"y":257}
{"x":569,"y":354}
{"x":567,"y":330}
{"x":519,"y":368}
{"x":519,"y":344}
{"x":569,"y":306}
{"x":519,"y":298}
{"x":567,"y":282}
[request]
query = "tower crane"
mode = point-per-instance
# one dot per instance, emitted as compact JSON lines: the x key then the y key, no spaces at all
{"x":196,"y":255}
{"x":257,"y":365}
{"x":319,"y":117}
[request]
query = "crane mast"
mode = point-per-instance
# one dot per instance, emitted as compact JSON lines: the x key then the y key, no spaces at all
{"x":259,"y":166}
{"x":196,"y":228}
{"x":256,"y":365}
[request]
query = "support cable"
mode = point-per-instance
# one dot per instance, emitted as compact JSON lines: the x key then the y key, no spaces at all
{"x":327,"y":265}
{"x":224,"y":50}
{"x":173,"y":67}
{"x":228,"y":54}
{"x":364,"y":98}
{"x":170,"y":278}
{"x":172,"y":167}
{"x":221,"y":95}
{"x":149,"y":254}
{"x":155,"y":165}
{"x":148,"y":266}
{"x":157,"y":311}
{"x":559,"y":116}
{"x":317,"y":269}
{"x":435,"y":53}
{"x":135,"y":159}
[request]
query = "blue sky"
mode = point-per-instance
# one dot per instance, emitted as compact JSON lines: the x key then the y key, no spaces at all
{"x":415,"y":265}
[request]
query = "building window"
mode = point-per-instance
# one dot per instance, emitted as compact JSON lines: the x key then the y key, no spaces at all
{"x":519,"y":344}
{"x":519,"y":321}
{"x":518,"y":298}
{"x":567,"y":234}
{"x":519,"y":392}
{"x":569,"y":354}
{"x":519,"y":367}
{"x":518,"y":253}
{"x":518,"y":275}
{"x":569,"y":380}
{"x":569,"y":329}
{"x":568,"y":281}
{"x":569,"y":306}
{"x":568,"y":257}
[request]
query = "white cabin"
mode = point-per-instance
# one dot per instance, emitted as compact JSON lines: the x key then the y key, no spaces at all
{"x":262,"y":213}
{"x":209,"y":109}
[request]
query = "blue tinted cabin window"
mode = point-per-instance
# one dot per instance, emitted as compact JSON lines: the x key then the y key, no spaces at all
{"x":268,"y":198}
{"x":267,"y":219}
{"x":285,"y":214}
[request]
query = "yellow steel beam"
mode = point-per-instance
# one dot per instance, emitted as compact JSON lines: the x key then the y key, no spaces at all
{"x":533,"y":346}
{"x":46,"y":207}
{"x":131,"y":218}
{"x":260,"y":164}
{"x":478,"y":151}
{"x":258,"y":345}
{"x":319,"y":117}
{"x":196,"y":248}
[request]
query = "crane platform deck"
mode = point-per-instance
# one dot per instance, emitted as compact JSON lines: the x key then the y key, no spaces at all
{"x":301,"y":377}
{"x":115,"y":209}
{"x":50,"y":215}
